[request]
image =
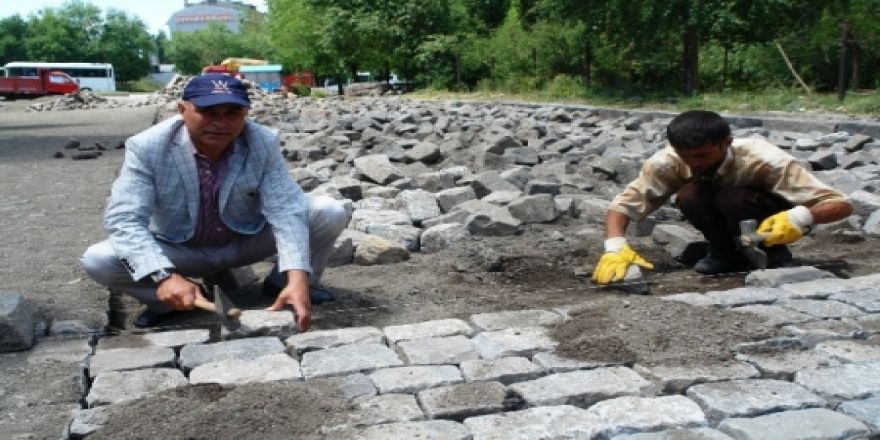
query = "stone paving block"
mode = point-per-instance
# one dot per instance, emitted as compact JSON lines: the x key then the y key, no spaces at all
{"x":121,"y":386}
{"x":373,"y":410}
{"x":750,"y":397}
{"x":355,"y":385}
{"x":868,"y":324}
{"x":692,"y":298}
{"x":821,"y":288}
{"x":68,"y":351}
{"x":583,"y":387}
{"x":627,"y":415}
{"x":825,"y":309}
{"x":170,"y":339}
{"x":320,"y":339}
{"x":267,"y":368}
{"x":506,"y":370}
{"x":843,"y":382}
{"x":677,"y":379}
{"x":851,"y":351}
{"x":428,"y":329}
{"x":677,"y":434}
{"x":193,"y":355}
{"x":87,"y":421}
{"x":743,"y":296}
{"x":438,"y":351}
{"x":785,"y":275}
{"x":775,"y":316}
{"x":806,"y":424}
{"x":867,"y":300}
{"x":460,"y":401}
{"x":523,"y":341}
{"x":541,"y":423}
{"x":783,"y":364}
{"x":16,"y":323}
{"x":427,"y":430}
{"x":262,"y":323}
{"x":812,"y":333}
{"x":120,"y":359}
{"x":558,"y":364}
{"x":348,"y":359}
{"x":515,"y":319}
{"x":866,"y":411}
{"x":412,"y":379}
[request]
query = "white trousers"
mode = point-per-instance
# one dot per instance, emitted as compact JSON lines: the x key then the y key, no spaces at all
{"x":327,"y":219}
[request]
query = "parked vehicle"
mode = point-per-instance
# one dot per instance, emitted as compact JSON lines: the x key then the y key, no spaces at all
{"x":45,"y":82}
{"x":266,"y":77}
{"x":94,"y":77}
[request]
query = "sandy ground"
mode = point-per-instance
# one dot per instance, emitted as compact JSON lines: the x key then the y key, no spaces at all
{"x":51,"y":211}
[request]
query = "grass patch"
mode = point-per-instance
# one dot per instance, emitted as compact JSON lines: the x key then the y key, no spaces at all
{"x":140,"y":86}
{"x":861,"y":104}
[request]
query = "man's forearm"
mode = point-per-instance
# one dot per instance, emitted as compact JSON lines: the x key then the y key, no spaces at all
{"x":831,"y":211}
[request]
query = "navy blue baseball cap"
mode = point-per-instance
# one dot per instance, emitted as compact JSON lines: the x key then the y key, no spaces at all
{"x":215,"y":89}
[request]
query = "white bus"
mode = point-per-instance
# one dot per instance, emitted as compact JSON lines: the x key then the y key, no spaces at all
{"x":95,"y":77}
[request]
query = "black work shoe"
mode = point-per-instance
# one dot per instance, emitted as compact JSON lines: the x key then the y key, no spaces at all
{"x":779,"y":256}
{"x":710,"y":265}
{"x":150,"y":318}
{"x":316,"y":294}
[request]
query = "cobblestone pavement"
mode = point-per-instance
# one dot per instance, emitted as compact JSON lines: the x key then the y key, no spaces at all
{"x":495,"y":375}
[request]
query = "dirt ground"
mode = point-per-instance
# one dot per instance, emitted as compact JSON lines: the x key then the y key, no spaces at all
{"x":51,"y":211}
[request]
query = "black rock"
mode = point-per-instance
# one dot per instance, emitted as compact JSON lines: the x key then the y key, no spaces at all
{"x":71,"y":144}
{"x":58,"y":155}
{"x":85,"y":156}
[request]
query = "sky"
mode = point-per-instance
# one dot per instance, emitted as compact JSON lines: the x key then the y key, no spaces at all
{"x":154,"y":13}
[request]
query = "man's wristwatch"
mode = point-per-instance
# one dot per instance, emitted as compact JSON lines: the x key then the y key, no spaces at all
{"x":161,"y":275}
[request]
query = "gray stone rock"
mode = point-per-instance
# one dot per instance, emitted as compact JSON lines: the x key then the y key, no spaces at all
{"x":240,"y":371}
{"x":263,"y":323}
{"x":629,"y":414}
{"x":16,"y":323}
{"x":867,"y":300}
{"x":521,"y":341}
{"x":506,"y":370}
{"x":785,"y":275}
{"x":496,"y":222}
{"x":677,"y":379}
{"x":390,"y":408}
{"x":538,"y":208}
{"x":677,"y":434}
{"x":844,"y":382}
{"x":513,"y":319}
{"x":419,"y":204}
{"x":812,"y":424}
{"x":544,"y":422}
{"x":170,"y":339}
{"x":449,"y":198}
{"x":460,"y":401}
{"x":88,"y":421}
{"x":348,"y":359}
{"x":426,"y":430}
{"x":121,"y":359}
{"x":378,"y":168}
{"x":750,"y":398}
{"x":583,"y":387}
{"x":681,"y":243}
{"x":321,"y":339}
{"x":436,"y":351}
{"x":864,"y":203}
{"x":375,"y":250}
{"x":405,"y":235}
{"x":774,"y":315}
{"x":866,"y":411}
{"x":413,"y":379}
{"x":851,"y":351}
{"x":821,"y":309}
{"x":121,"y":386}
{"x":193,"y":355}
{"x":427,"y":329}
{"x":557,"y":364}
{"x":783,"y":364}
{"x":443,"y":236}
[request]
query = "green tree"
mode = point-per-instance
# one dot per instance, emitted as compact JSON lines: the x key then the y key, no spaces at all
{"x":191,"y":51}
{"x":12,"y":35}
{"x":125,"y":42}
{"x":52,"y":37}
{"x":161,"y":42}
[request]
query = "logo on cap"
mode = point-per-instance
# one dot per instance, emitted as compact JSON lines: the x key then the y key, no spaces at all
{"x":220,"y":88}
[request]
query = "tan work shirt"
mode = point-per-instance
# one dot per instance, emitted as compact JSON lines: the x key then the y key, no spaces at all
{"x":749,"y":162}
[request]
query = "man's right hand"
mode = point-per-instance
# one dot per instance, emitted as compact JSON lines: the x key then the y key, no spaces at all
{"x":178,"y":292}
{"x":616,"y":260}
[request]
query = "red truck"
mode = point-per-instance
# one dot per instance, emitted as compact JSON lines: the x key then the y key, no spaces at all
{"x":49,"y":82}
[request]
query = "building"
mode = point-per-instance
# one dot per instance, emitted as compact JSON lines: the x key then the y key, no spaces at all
{"x":196,"y":15}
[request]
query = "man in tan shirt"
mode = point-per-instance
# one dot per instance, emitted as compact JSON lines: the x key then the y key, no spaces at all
{"x":718,"y":181}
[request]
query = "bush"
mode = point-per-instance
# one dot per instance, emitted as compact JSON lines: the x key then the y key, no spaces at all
{"x":301,"y":90}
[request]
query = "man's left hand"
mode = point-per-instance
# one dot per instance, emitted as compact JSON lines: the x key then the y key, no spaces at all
{"x":786,"y":226}
{"x":296,"y":294}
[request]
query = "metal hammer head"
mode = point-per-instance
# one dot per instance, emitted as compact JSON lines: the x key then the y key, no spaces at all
{"x":225,"y":310}
{"x":749,"y":239}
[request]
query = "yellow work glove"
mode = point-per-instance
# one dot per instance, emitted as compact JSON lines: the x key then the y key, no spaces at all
{"x":617,"y":258}
{"x":786,"y":226}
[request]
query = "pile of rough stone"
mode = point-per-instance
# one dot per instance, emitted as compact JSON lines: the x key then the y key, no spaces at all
{"x":423,"y":175}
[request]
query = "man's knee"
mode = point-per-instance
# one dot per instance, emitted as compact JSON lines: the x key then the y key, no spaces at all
{"x":101,"y":262}
{"x":328,"y":214}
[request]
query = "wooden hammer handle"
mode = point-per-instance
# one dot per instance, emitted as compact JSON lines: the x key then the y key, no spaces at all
{"x":211,"y":307}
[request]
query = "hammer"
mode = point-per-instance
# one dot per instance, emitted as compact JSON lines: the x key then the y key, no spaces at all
{"x":749,"y":239}
{"x":221,"y":307}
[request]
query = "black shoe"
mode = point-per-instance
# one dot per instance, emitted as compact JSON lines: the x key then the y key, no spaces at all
{"x":711,"y":265}
{"x":150,"y":318}
{"x":316,"y":294}
{"x":779,"y":256}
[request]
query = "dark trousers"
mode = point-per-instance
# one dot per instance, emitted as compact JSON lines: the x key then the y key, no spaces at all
{"x":717,"y":211}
